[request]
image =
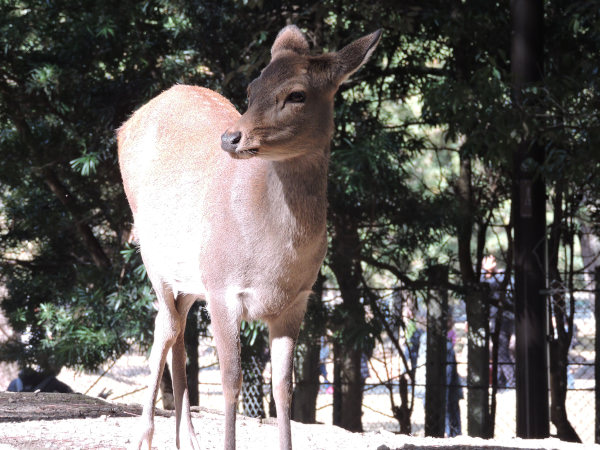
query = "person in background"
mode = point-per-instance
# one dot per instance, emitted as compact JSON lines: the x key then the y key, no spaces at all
{"x":500,"y":301}
{"x":454,"y":390}
{"x":413,"y":339}
{"x":323,"y":356}
{"x":30,"y":380}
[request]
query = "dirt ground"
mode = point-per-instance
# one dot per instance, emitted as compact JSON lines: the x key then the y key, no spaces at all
{"x":75,"y":421}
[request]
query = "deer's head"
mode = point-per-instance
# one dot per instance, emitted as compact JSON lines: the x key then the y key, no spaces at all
{"x":290,"y":105}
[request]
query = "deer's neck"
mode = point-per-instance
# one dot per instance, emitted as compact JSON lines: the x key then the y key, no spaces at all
{"x":297,"y":193}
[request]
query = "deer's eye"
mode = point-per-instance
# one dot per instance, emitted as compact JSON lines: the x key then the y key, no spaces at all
{"x":296,"y":97}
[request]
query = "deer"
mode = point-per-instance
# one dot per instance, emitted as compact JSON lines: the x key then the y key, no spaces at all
{"x":231,"y":209}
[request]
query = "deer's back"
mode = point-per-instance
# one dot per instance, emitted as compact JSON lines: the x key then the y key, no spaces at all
{"x":174,"y":135}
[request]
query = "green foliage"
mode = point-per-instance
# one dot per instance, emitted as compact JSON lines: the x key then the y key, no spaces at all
{"x":436,"y":92}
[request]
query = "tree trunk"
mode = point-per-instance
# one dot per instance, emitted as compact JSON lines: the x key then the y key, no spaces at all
{"x":529,"y":218}
{"x":495,"y":341}
{"x":403,"y":412}
{"x":350,"y":384}
{"x":435,"y":372}
{"x":478,"y":417}
{"x":560,"y":337}
{"x":166,"y":388}
{"x":558,"y":392}
{"x":307,"y":385}
{"x":309,"y":350}
{"x":191,"y":337}
{"x":478,"y":423}
{"x":348,"y":351}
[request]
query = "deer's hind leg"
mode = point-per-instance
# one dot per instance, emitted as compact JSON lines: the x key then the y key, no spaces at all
{"x":166,"y":330}
{"x":183,"y":417}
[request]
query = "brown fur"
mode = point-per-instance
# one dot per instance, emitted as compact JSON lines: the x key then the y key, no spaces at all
{"x":245,"y":229}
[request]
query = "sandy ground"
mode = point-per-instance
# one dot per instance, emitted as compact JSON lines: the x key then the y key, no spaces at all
{"x":125,"y":383}
{"x":107,"y":432}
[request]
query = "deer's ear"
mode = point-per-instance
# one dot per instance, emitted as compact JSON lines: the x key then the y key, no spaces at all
{"x":291,"y":39}
{"x":350,"y":58}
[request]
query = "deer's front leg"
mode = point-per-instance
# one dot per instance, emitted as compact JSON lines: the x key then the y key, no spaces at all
{"x":283,"y":333}
{"x":225,"y":322}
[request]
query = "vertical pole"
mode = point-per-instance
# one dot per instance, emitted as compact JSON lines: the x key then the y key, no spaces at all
{"x":435,"y":366}
{"x":529,"y":211}
{"x":597,"y":349}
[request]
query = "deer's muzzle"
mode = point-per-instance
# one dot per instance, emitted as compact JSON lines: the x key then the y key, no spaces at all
{"x":230,"y":141}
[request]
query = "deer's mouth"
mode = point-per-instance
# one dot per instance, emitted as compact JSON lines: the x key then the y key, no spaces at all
{"x":244,"y":153}
{"x":247,"y":152}
{"x":239,"y":145}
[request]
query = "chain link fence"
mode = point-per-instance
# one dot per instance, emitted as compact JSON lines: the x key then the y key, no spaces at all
{"x":385,"y":368}
{"x":253,"y":389}
{"x":582,"y":356}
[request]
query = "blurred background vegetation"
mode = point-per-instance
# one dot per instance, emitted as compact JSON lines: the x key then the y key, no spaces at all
{"x":421,"y":163}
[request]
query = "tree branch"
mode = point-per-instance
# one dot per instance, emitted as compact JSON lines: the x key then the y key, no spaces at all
{"x":85,"y":233}
{"x":51,"y":180}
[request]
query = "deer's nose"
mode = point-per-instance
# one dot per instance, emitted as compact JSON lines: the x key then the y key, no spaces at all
{"x":230,"y":140}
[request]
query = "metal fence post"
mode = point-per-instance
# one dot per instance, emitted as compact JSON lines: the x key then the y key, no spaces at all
{"x":435,"y":372}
